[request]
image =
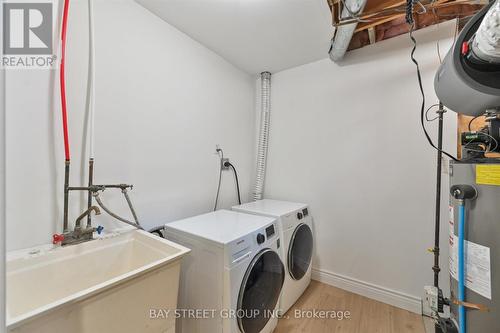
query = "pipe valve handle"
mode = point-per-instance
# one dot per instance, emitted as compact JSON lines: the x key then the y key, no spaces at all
{"x":99,"y":229}
{"x":57,"y":238}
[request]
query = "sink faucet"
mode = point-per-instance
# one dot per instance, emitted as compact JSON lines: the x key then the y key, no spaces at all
{"x":85,"y":233}
{"x":79,"y":235}
{"x":96,"y":210}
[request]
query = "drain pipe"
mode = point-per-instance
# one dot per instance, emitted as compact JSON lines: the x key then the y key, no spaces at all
{"x":265,"y":113}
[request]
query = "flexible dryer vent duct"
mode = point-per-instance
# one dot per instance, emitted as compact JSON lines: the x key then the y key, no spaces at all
{"x":265,"y":96}
{"x":343,"y":34}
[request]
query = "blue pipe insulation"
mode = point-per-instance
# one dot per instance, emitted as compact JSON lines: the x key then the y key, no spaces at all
{"x":461,"y":267}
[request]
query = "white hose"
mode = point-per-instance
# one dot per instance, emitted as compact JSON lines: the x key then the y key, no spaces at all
{"x":91,"y":86}
{"x":486,"y":43}
{"x":263,"y":135}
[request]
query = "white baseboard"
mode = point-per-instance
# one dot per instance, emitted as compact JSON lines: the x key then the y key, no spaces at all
{"x":378,"y":293}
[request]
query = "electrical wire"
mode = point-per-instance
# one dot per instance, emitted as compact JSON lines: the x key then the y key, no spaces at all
{"x":468,"y":148}
{"x":157,"y":231}
{"x":436,"y":18}
{"x":427,"y":113}
{"x":472,"y":120}
{"x":62,"y":80}
{"x":237,"y":182}
{"x":220,"y":152}
{"x":354,"y":15}
{"x":385,"y":13}
{"x":489,"y":146}
{"x":422,"y":7}
{"x":439,"y":52}
{"x":410,"y":21}
{"x":409,"y":12}
{"x":457,"y":28}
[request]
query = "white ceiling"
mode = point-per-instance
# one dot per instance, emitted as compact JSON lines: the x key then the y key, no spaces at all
{"x":254,"y":35}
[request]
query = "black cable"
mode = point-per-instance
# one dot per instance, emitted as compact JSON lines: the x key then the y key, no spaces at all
{"x":158,"y":231}
{"x":237,"y":181}
{"x":472,"y":120}
{"x":419,"y":76}
{"x":221,"y":154}
{"x":409,"y":12}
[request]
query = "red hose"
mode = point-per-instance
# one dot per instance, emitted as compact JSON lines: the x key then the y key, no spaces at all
{"x":63,"y":81}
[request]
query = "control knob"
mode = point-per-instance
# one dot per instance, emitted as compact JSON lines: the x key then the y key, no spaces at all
{"x":260,"y":238}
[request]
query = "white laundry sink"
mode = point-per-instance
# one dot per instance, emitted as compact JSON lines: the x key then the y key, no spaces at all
{"x":105,"y":285}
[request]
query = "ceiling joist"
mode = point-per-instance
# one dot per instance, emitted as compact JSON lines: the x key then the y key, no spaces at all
{"x":383,"y":19}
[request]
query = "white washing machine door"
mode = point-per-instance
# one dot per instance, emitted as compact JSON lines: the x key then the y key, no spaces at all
{"x":260,"y":291}
{"x":300,"y":251}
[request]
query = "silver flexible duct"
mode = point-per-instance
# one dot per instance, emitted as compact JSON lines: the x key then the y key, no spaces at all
{"x":486,"y":44}
{"x":265,"y":79}
{"x":343,"y":34}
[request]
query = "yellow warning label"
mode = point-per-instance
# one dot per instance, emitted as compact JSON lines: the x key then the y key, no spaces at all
{"x":488,"y":174}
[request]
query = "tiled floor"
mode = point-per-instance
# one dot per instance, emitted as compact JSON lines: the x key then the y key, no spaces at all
{"x":366,"y":315}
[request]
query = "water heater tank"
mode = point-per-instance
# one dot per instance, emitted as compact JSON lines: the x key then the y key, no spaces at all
{"x":482,"y":233}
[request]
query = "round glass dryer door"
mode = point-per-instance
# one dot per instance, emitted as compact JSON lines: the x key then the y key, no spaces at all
{"x":300,"y":251}
{"x":260,"y":291}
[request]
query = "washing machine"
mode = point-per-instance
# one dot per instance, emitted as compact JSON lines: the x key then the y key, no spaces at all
{"x":232,"y":278}
{"x":295,"y":228}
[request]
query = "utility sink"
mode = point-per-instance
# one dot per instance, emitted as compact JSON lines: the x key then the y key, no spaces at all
{"x":104,"y":285}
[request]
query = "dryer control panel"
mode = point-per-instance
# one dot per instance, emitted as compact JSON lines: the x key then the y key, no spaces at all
{"x":293,"y":219}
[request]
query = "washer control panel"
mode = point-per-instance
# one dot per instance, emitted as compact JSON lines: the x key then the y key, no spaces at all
{"x":265,"y":234}
{"x":270,"y":231}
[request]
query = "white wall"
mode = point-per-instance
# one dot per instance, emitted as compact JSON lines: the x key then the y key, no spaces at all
{"x":163,"y":102}
{"x":2,"y":192}
{"x":347,"y":140}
